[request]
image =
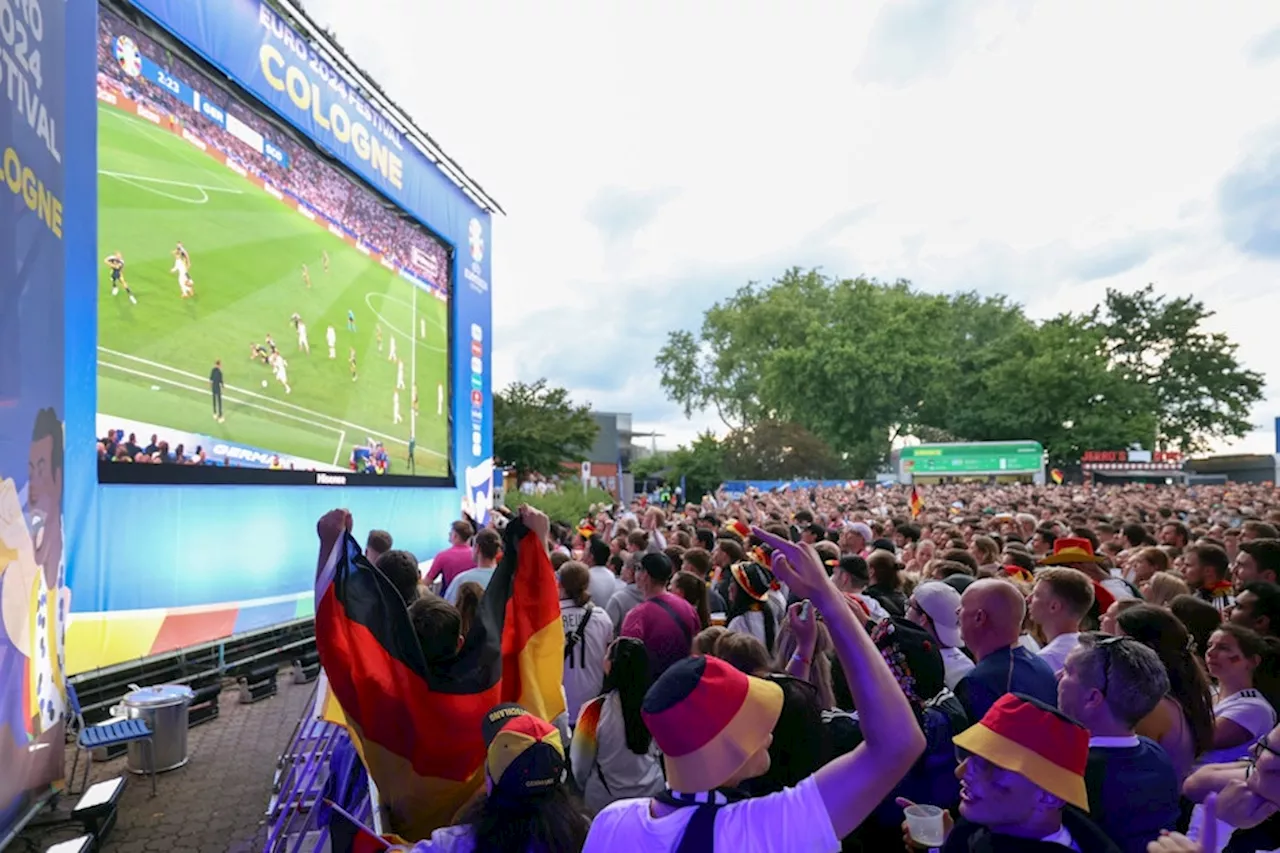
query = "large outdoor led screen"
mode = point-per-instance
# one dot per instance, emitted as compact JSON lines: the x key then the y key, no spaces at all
{"x":263,"y":316}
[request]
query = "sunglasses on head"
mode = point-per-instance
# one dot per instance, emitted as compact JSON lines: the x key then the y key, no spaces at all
{"x":1110,"y":643}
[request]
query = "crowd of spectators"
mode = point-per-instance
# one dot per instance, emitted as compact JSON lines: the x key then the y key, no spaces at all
{"x":1023,"y":668}
{"x":308,"y":177}
{"x":120,"y":447}
{"x":117,"y":446}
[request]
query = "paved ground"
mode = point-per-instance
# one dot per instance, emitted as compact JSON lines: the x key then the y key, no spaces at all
{"x":216,"y":803}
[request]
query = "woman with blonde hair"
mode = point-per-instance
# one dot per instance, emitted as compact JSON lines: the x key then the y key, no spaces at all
{"x":1163,"y":587}
{"x":816,"y":670}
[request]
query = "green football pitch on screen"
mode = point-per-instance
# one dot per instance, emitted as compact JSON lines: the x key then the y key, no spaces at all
{"x":247,"y":252}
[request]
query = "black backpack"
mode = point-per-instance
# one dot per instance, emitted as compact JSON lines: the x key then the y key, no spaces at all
{"x":576,"y":639}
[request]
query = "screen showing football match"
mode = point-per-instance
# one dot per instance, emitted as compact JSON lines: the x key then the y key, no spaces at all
{"x":259,"y":309}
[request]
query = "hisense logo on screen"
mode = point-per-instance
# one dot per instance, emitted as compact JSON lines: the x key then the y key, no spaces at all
{"x":477,"y":240}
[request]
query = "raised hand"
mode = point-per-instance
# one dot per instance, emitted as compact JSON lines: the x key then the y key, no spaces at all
{"x":799,"y":567}
{"x":330,"y":528}
{"x":537,"y":521}
{"x":805,"y":630}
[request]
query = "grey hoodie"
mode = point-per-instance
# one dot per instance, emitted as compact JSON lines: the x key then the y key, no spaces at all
{"x":621,"y":603}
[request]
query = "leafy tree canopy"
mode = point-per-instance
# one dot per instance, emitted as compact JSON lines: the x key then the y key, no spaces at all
{"x":536,"y":428}
{"x":853,"y":363}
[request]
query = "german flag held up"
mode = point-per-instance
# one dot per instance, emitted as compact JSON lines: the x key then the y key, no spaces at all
{"x":417,"y":727}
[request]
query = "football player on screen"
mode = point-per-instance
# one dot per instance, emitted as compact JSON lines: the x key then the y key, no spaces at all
{"x":116,"y":262}
{"x":306,"y":276}
{"x":303,"y":343}
{"x":182,"y":266}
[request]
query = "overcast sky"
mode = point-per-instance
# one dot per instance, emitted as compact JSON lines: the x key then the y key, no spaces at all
{"x":652,"y":157}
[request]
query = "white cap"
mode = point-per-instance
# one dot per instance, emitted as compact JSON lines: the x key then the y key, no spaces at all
{"x":941,"y":603}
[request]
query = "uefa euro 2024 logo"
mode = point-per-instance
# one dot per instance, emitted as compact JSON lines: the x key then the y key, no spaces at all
{"x":477,"y":240}
{"x":128,"y":56}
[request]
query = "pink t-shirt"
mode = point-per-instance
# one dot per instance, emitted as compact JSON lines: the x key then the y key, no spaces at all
{"x":450,"y":563}
{"x":665,"y":639}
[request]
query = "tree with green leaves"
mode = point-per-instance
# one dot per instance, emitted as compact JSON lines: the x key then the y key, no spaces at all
{"x":701,"y":464}
{"x":858,"y":363}
{"x":1054,"y":384}
{"x":853,"y":361}
{"x":652,"y":465}
{"x":1202,"y":392}
{"x":537,"y":428}
{"x":777,"y":450}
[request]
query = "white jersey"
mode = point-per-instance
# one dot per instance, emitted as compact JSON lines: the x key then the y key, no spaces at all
{"x":391,"y":354}
{"x":331,"y":336}
{"x":302,"y":333}
{"x":399,"y":374}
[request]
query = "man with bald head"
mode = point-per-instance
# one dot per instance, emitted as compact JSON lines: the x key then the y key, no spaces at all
{"x":991,"y":616}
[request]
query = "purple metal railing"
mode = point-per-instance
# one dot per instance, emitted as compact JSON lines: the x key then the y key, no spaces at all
{"x":301,"y":775}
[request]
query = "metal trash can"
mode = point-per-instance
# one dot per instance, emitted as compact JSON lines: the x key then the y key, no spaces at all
{"x":164,"y":708}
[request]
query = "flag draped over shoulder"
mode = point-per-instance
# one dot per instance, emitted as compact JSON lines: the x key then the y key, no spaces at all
{"x":917,"y":503}
{"x":418,"y":727}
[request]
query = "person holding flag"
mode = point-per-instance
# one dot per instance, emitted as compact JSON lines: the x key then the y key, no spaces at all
{"x":395,"y":705}
{"x":917,"y":503}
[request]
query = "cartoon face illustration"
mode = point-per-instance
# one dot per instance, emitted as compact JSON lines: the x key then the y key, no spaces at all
{"x":44,"y":494}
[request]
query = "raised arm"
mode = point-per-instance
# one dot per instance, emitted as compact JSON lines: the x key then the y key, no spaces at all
{"x":853,"y":784}
{"x":330,"y":528}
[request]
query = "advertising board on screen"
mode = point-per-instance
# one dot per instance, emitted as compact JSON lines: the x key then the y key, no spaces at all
{"x":264,"y":317}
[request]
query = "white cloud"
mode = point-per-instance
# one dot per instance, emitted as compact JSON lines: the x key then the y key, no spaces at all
{"x":653,"y":157}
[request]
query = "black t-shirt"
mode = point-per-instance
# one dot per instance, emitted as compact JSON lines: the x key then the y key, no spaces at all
{"x":215,"y":378}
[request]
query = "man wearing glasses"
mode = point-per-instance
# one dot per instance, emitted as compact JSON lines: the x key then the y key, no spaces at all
{"x":1108,"y":684}
{"x":1248,"y":797}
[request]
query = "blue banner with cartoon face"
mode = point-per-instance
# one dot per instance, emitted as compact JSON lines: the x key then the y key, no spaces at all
{"x":33,"y":127}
